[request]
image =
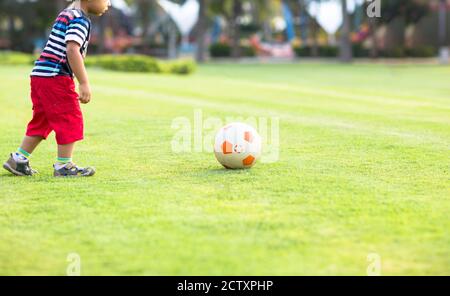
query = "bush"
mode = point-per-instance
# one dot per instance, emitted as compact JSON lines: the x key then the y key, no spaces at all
{"x":140,"y":63}
{"x":359,"y":51}
{"x":417,"y":52}
{"x":303,"y":51}
{"x":16,"y":58}
{"x":125,"y":63}
{"x":223,"y":50}
{"x":422,"y":52}
{"x":248,"y":51}
{"x":220,"y":50}
{"x":328,"y":51}
{"x":183,"y":67}
{"x":324,"y":51}
{"x":397,"y":52}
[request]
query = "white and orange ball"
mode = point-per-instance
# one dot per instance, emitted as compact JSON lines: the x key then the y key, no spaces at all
{"x":237,"y":146}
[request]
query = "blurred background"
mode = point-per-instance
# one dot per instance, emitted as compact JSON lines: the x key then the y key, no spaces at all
{"x":220,"y":29}
{"x":361,"y":150}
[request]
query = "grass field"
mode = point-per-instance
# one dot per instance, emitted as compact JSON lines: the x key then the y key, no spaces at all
{"x":363,"y":168}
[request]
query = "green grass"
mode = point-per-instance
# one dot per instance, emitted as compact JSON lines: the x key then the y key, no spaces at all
{"x":363,"y":168}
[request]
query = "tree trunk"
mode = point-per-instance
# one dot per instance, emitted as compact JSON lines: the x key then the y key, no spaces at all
{"x":444,"y":50}
{"x":315,"y":44}
{"x":101,"y":37}
{"x":267,"y":31}
{"x":373,"y":37}
{"x":443,"y":23}
{"x":144,"y":7}
{"x":346,"y":49}
{"x":11,"y":32}
{"x":298,"y":8}
{"x":172,"y":50}
{"x":235,"y":45}
{"x":201,"y":36}
{"x":372,"y":21}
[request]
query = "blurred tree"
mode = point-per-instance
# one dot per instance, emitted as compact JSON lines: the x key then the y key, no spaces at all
{"x":266,"y":10}
{"x":231,"y":10}
{"x":372,"y":22}
{"x":143,"y":13}
{"x":201,"y":32}
{"x":410,"y":11}
{"x":444,"y":51}
{"x":27,"y":20}
{"x":314,"y":27}
{"x":236,"y":29}
{"x":346,"y":46}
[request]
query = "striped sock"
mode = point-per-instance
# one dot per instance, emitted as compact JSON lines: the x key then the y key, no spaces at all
{"x":23,"y":152}
{"x":62,"y":161}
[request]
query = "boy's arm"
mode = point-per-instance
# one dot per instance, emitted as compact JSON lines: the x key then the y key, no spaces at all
{"x":77,"y":65}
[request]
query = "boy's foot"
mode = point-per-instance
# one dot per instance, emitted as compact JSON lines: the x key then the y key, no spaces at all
{"x":19,"y":166}
{"x":72,"y":170}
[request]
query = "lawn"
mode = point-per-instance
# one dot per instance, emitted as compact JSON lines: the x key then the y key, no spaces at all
{"x":363,"y":168}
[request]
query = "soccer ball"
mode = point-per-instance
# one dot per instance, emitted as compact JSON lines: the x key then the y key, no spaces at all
{"x":237,"y":146}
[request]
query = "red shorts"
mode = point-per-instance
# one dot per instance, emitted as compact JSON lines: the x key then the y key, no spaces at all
{"x":55,"y":108}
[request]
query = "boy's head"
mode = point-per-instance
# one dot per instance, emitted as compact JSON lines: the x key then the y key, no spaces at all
{"x":97,"y":7}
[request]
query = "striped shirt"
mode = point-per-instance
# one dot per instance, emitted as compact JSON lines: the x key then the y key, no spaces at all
{"x":70,"y":25}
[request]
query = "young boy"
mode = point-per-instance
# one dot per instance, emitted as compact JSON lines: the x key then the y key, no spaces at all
{"x":56,"y":105}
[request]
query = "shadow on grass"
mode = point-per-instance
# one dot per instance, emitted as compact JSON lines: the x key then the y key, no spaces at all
{"x":39,"y":178}
{"x":220,"y":172}
{"x":6,"y":175}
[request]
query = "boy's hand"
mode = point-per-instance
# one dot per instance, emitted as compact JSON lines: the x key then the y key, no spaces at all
{"x":77,"y":64}
{"x":84,"y":93}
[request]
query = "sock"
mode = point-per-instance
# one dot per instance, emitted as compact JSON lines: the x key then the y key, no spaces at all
{"x":62,"y":162}
{"x":21,"y":155}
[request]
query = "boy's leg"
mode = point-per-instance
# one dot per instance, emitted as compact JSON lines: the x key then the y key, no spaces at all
{"x":67,"y":123}
{"x":66,"y":151}
{"x":37,"y":130}
{"x":29,"y":144}
{"x":64,"y":167}
{"x":18,"y":162}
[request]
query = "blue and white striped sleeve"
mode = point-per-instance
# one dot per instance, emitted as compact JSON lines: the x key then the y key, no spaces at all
{"x":77,"y":31}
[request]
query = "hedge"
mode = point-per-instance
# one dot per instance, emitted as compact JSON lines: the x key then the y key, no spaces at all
{"x":141,"y":63}
{"x":125,"y":63}
{"x":16,"y":58}
{"x":220,"y":50}
{"x":223,"y":50}
{"x":324,"y":51}
{"x":361,"y":52}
